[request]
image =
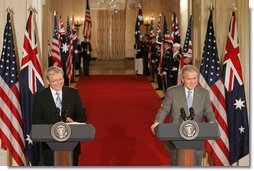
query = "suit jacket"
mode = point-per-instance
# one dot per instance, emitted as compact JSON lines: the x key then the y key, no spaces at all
{"x":45,"y":111}
{"x":175,"y":99}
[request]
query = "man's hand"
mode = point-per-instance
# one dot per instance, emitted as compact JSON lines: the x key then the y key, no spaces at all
{"x":153,"y":127}
{"x":69,"y":120}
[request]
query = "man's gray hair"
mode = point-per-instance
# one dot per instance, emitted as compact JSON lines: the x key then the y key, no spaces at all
{"x":53,"y":70}
{"x":190,"y":68}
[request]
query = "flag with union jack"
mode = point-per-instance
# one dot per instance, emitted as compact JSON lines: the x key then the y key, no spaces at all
{"x":210,"y":78}
{"x":235,"y":97}
{"x":11,"y":127}
{"x":64,"y":51}
{"x":55,"y":46}
{"x":87,"y":22}
{"x":31,"y":81}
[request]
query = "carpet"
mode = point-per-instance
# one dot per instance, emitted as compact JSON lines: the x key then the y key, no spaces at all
{"x":122,"y":109}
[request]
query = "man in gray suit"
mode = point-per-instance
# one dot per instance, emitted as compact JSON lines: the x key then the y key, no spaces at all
{"x":176,"y":98}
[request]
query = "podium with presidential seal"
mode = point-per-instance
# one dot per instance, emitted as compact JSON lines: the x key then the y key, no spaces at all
{"x":62,"y":137}
{"x":185,"y":138}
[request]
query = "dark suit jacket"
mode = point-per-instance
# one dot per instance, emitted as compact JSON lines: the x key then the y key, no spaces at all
{"x":44,"y":108}
{"x":45,"y":112}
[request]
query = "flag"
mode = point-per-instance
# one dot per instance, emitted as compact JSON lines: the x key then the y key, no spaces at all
{"x":152,"y":34}
{"x":50,"y":61}
{"x":72,"y":51}
{"x":11,"y":127}
{"x":235,"y":97}
{"x":210,"y":78}
{"x":87,"y":22}
{"x":187,"y":47}
{"x":64,"y":51}
{"x":139,"y":22}
{"x":159,"y":40}
{"x":68,"y":32}
{"x":55,"y":46}
{"x":152,"y":28}
{"x":75,"y":44}
{"x":187,"y":50}
{"x":31,"y":81}
{"x":175,"y":34}
{"x":166,"y":36}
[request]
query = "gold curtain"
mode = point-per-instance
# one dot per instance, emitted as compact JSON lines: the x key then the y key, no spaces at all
{"x":111,"y":35}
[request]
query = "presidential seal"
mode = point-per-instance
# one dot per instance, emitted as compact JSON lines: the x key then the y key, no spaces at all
{"x":61,"y":131}
{"x":189,"y":130}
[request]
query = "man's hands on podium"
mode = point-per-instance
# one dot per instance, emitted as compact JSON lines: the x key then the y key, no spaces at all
{"x":153,"y":127}
{"x":69,"y":120}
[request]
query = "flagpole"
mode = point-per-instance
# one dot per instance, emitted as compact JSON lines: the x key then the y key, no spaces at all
{"x":9,"y":158}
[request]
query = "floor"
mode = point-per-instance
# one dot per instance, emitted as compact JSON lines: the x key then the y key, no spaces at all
{"x":119,"y":67}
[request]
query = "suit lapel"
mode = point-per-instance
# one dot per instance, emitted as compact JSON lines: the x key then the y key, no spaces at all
{"x":51,"y":102}
{"x":196,"y":97}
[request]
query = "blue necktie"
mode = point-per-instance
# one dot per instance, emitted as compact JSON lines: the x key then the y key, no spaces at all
{"x":58,"y":101}
{"x":189,"y":99}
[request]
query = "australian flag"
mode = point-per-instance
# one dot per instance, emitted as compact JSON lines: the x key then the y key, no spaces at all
{"x":235,"y":97}
{"x":63,"y":50}
{"x":31,"y":81}
{"x":139,"y":22}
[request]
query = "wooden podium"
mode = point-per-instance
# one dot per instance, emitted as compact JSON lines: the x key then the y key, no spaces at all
{"x":186,"y":149}
{"x":63,"y":150}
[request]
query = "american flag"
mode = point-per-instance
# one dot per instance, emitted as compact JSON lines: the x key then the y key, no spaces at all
{"x":187,"y":47}
{"x":55,"y":46}
{"x":166,"y":36}
{"x":31,"y":81}
{"x":139,"y":22}
{"x":11,"y":127}
{"x":87,"y":22}
{"x":210,"y":78}
{"x":187,"y":50}
{"x":235,"y":97}
{"x":69,"y":63}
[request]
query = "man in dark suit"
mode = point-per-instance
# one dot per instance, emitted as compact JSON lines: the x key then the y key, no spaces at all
{"x":87,"y":49}
{"x":54,"y":101}
{"x":176,"y":98}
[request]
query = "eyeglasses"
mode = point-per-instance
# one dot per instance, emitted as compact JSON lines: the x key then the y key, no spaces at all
{"x":56,"y":81}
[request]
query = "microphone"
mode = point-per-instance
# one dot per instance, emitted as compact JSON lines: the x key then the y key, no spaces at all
{"x":65,"y":115}
{"x":58,"y":114}
{"x":183,"y":114}
{"x":191,"y":113}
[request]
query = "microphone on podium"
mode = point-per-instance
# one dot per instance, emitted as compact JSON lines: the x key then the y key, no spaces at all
{"x":183,"y":114}
{"x":192,"y":114}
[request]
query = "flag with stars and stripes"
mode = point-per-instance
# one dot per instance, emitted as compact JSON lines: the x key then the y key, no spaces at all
{"x":11,"y":126}
{"x":152,"y":28}
{"x":87,"y":22}
{"x":187,"y":47}
{"x":235,"y":97}
{"x":139,"y":22}
{"x":55,"y":46}
{"x":210,"y":78}
{"x":31,"y":81}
